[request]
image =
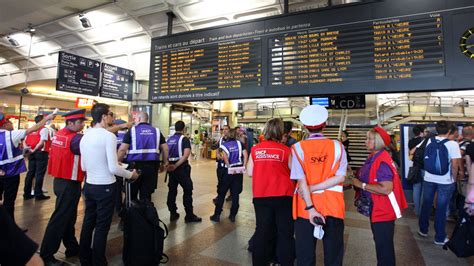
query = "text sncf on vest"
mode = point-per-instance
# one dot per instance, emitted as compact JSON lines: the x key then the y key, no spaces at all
{"x":318,"y":159}
{"x":269,"y":154}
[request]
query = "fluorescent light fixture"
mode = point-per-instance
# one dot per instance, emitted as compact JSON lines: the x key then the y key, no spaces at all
{"x":85,"y":21}
{"x":13,"y":42}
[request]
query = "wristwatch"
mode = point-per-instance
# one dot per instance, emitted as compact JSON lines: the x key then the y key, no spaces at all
{"x":363,"y":186}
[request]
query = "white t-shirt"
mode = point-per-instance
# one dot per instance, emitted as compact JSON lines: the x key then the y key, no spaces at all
{"x":99,"y":157}
{"x":454,"y":153}
{"x":44,"y":134}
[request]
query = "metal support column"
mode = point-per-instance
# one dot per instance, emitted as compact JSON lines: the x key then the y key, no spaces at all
{"x":171,"y":16}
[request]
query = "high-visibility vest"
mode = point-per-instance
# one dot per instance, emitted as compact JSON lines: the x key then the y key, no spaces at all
{"x":34,"y":138}
{"x":62,"y":162}
{"x":387,"y":207}
{"x":175,"y":147}
{"x":145,"y":144}
{"x":11,"y":158}
{"x":320,"y":160}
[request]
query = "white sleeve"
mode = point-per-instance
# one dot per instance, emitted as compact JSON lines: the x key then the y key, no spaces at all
{"x":17,"y":136}
{"x":83,"y":159}
{"x":44,"y":134}
{"x":112,"y":161}
{"x":453,"y":149}
{"x":297,"y":171}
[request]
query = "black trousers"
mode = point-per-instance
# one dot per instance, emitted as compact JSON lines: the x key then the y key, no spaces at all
{"x":9,"y":189}
{"x":221,"y":171}
{"x":99,"y":201}
{"x":37,"y":164}
{"x":383,"y":236}
{"x":118,"y":195}
{"x":333,"y":242}
{"x":271,"y":212}
{"x":181,"y":176}
{"x":61,"y":224}
{"x":234,"y":183}
{"x":148,"y":180}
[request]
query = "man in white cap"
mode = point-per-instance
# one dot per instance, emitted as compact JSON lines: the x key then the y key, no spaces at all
{"x":319,"y":165}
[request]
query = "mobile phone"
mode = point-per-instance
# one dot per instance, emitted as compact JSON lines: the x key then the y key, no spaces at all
{"x":317,"y":220}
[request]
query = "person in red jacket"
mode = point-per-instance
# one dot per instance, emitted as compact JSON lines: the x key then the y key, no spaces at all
{"x":382,"y":192}
{"x":272,"y":196}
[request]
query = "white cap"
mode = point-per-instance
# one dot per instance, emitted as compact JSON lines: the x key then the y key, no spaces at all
{"x":313,"y":115}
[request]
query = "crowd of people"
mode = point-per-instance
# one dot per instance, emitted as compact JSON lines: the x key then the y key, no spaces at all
{"x":299,"y":203}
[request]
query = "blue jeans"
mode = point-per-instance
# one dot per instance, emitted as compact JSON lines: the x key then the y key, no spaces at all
{"x":418,"y":194}
{"x":444,"y":195}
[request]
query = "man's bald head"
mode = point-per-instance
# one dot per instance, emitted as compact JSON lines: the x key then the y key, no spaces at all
{"x":143,"y":117}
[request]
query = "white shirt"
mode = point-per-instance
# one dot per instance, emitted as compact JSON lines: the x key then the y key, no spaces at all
{"x":44,"y":134}
{"x":17,"y":136}
{"x":453,"y":153}
{"x":99,"y":157}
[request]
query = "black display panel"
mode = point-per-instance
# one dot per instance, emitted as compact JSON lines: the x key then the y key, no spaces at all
{"x":386,"y":46}
{"x":77,"y":74}
{"x":117,"y":82}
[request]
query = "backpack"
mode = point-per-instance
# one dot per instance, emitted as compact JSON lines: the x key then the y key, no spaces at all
{"x":419,"y":155}
{"x":436,"y":159}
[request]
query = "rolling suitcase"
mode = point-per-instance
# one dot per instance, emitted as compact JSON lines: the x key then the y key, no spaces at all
{"x":143,"y":233}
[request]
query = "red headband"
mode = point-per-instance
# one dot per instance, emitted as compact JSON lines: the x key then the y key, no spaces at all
{"x":316,"y":127}
{"x":385,"y":136}
{"x":75,"y":116}
{"x":2,"y":122}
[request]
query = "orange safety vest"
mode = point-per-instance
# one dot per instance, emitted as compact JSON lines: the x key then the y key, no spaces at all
{"x":320,"y":160}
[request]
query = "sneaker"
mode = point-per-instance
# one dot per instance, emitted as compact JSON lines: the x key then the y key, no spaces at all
{"x":174,"y":216}
{"x":42,"y":197}
{"x":232,"y":218}
{"x":192,"y":219}
{"x":442,"y":242}
{"x":422,"y":234}
{"x":215,"y":218}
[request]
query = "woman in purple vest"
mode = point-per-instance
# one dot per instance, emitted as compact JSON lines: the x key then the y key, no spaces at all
{"x":235,"y":157}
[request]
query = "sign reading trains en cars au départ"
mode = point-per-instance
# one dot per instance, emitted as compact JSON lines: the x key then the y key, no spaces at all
{"x":388,"y":46}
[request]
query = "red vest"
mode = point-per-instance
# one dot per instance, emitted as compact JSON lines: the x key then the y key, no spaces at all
{"x":62,"y":162}
{"x":387,"y":207}
{"x":271,"y":175}
{"x":34,"y":138}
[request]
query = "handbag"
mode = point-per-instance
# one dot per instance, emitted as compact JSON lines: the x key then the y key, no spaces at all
{"x":462,"y":240}
{"x":414,"y":175}
{"x":363,"y":204}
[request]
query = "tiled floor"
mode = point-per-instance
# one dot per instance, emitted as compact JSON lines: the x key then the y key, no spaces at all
{"x":225,"y":243}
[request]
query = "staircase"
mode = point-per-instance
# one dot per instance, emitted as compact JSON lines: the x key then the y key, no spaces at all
{"x":357,"y":149}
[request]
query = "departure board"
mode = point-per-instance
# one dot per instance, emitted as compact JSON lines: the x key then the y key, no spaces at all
{"x":387,"y":46}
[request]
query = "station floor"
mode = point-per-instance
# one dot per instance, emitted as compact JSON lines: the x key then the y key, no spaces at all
{"x":225,"y":243}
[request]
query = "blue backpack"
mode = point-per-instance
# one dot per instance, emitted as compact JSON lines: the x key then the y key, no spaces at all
{"x":436,"y":159}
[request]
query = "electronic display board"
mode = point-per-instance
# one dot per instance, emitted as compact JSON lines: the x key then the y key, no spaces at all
{"x":77,"y":74}
{"x":117,"y":82}
{"x":386,"y":46}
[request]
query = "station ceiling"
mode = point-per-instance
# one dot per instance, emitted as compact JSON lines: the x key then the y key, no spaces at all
{"x":120,"y":32}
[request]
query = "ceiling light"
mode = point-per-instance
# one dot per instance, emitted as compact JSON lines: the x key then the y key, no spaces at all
{"x":85,"y":21}
{"x":12,"y":41}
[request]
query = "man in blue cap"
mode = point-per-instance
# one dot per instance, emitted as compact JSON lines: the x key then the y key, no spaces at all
{"x":12,"y":162}
{"x":65,"y":166}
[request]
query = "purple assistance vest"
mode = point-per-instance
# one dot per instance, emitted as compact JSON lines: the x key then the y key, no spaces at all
{"x":145,"y":143}
{"x":175,"y":146}
{"x":120,"y":136}
{"x":221,"y":163}
{"x":233,"y":149}
{"x":11,"y":158}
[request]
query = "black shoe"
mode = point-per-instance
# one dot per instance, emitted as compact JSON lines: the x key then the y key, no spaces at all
{"x":192,"y":219}
{"x":174,"y":216}
{"x":215,"y":218}
{"x":214,"y":200}
{"x":229,"y":198}
{"x":232,"y":218}
{"x":54,"y":262}
{"x":42,"y":197}
{"x":27,"y":197}
{"x":72,"y":253}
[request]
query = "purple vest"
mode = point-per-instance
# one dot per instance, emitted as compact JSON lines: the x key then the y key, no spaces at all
{"x":11,"y":158}
{"x":145,"y":143}
{"x":175,"y":146}
{"x":120,"y":135}
{"x":233,"y":149}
